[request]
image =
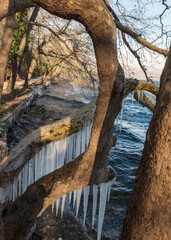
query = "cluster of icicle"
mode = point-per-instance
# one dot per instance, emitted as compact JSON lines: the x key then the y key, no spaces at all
{"x":53,"y":156}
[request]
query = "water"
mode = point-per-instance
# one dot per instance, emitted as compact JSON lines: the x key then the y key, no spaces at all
{"x":124,"y":158}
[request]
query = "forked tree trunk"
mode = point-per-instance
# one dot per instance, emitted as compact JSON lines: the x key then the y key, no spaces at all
{"x":97,"y":19}
{"x":5,"y":49}
{"x":149,"y":212}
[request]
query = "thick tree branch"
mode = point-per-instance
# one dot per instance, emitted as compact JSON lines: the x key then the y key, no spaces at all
{"x":22,"y":152}
{"x":134,"y":35}
{"x":139,"y":39}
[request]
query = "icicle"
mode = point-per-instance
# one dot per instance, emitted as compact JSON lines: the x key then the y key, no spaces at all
{"x":36,"y":167}
{"x":121,"y":115}
{"x":86,"y":195}
{"x":74,"y":197}
{"x":14,"y":190}
{"x":63,"y":204}
{"x":109,"y":190}
{"x":61,"y":150}
{"x":43,"y":161}
{"x":19,"y":184}
{"x":40,"y":170}
{"x":70,"y":196}
{"x":95,"y":192}
{"x":142,"y":94}
{"x":30,"y":172}
{"x":57,"y":206}
{"x":69,"y":149}
{"x":49,"y":157}
{"x":26,"y":167}
{"x":83,"y":140}
{"x":79,"y":192}
{"x":138,"y":93}
{"x":53,"y":207}
{"x":102,"y":205}
{"x":78,"y":144}
{"x":88,"y":133}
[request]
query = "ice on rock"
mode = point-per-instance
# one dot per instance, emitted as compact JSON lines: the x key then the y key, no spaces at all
{"x":95,"y":193}
{"x":51,"y":157}
{"x":102,"y":206}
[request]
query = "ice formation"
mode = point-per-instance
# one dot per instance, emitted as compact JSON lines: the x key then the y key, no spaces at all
{"x":53,"y":156}
{"x":122,"y":110}
{"x":95,"y":192}
{"x":102,"y":206}
{"x":86,"y":196}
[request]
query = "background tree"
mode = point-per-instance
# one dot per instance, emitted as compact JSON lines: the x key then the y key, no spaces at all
{"x":5,"y":49}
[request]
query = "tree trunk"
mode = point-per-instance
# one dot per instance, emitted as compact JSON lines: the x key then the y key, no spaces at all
{"x":95,"y":16}
{"x":23,"y":42}
{"x":34,"y":61}
{"x":9,"y":8}
{"x":149,"y":212}
{"x":5,"y":49}
{"x":11,"y":165}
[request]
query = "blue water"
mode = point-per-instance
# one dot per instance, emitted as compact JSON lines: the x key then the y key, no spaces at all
{"x":124,"y":158}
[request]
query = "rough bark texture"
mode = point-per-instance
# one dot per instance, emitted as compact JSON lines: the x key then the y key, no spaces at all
{"x":149,"y":212}
{"x":5,"y":49}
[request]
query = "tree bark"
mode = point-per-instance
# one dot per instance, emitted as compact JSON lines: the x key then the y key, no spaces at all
{"x":33,"y":63}
{"x":14,"y":76}
{"x":5,"y":49}
{"x":149,"y":212}
{"x":10,"y":7}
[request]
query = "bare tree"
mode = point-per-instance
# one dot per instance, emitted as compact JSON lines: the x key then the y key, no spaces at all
{"x":5,"y":49}
{"x":24,"y":40}
{"x":151,"y":195}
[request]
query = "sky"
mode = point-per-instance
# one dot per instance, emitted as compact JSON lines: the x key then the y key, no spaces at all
{"x":153,"y":62}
